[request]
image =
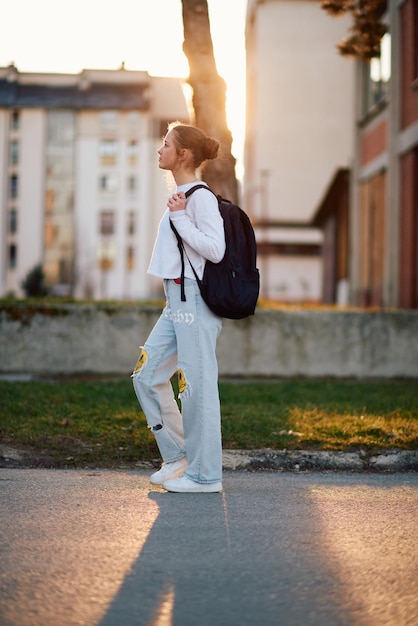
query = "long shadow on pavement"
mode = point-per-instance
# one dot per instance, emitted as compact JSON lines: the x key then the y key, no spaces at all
{"x":251,"y":555}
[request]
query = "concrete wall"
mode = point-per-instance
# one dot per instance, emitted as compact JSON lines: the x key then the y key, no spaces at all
{"x":105,"y":339}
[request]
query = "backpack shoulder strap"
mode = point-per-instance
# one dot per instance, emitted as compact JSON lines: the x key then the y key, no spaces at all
{"x":180,"y":244}
{"x":200,"y":186}
{"x":181,"y":250}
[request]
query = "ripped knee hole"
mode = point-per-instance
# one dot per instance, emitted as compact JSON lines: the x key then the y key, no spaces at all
{"x":141,"y":362}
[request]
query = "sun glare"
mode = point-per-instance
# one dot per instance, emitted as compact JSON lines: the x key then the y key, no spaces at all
{"x":141,"y":34}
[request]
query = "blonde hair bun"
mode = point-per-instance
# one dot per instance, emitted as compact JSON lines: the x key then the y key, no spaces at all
{"x":210,"y":148}
{"x":201,"y":145}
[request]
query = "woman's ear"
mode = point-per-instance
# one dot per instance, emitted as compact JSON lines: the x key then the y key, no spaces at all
{"x":186,"y":155}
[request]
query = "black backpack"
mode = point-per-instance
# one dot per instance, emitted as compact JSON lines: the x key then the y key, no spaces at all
{"x":230,"y":288}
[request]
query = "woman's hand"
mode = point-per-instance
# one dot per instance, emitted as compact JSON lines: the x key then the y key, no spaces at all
{"x":177,"y":202}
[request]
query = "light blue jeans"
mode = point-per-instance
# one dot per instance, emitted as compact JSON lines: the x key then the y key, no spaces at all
{"x":184,"y":340}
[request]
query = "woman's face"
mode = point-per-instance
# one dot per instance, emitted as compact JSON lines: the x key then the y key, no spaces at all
{"x":167,"y":153}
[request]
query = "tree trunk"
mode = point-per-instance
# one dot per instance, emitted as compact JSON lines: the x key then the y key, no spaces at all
{"x":209,"y":97}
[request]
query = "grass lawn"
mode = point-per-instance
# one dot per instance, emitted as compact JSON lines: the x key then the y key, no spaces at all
{"x":99,"y":423}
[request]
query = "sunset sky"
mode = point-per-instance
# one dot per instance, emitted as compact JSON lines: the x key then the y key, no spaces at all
{"x":57,"y":36}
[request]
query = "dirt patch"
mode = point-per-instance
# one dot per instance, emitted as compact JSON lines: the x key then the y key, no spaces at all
{"x":12,"y":457}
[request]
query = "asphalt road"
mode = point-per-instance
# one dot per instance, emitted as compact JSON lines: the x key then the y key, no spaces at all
{"x":103,"y":548}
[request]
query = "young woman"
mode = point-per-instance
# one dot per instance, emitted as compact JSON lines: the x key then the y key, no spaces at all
{"x":184,"y":338}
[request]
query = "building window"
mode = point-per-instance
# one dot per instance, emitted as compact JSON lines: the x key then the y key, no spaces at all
{"x":372,"y":240}
{"x":12,"y":256}
{"x":13,"y":221}
{"x":14,"y":152}
{"x":132,"y":152}
{"x":130,"y":258}
{"x":133,"y":120}
{"x":106,"y":255}
{"x":61,"y":128}
{"x":14,"y":186}
{"x":131,"y":223}
{"x":107,"y":222}
{"x":65,"y":271}
{"x":15,"y":120}
{"x":49,"y":201}
{"x":377,"y":75}
{"x":131,"y":184}
{"x":108,"y":183}
{"x":108,"y":151}
{"x":109,"y":120}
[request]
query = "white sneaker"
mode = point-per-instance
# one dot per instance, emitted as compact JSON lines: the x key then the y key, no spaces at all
{"x":183,"y":484}
{"x":169,"y":471}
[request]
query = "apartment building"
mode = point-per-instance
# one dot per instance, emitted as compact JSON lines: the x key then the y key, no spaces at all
{"x":369,"y":214}
{"x":299,"y":131}
{"x":80,"y":189}
{"x":384,"y":193}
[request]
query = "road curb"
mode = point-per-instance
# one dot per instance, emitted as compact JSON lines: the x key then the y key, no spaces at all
{"x":276,"y":460}
{"x":299,"y":460}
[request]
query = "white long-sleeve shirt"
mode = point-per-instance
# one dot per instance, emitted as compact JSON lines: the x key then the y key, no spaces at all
{"x":200,"y":226}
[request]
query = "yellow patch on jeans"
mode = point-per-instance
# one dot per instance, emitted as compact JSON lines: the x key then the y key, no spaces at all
{"x":182,"y":381}
{"x":142,"y":359}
